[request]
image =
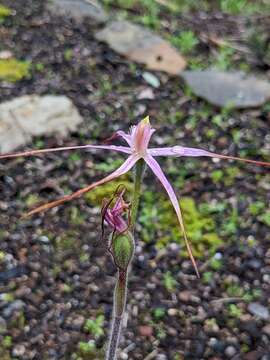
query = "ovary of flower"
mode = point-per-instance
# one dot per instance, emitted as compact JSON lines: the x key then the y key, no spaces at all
{"x":137,"y":140}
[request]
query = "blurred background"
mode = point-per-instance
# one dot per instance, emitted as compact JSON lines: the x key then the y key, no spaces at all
{"x":74,"y":72}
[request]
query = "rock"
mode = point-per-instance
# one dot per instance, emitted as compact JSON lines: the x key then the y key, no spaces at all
{"x":265,"y":329}
{"x":146,"y":94}
{"x":16,"y":305}
{"x":258,"y":310}
{"x":18,"y":350}
{"x":230,"y":351}
{"x":25,"y":117}
{"x":14,"y":272}
{"x":79,"y":9}
{"x":151,"y":79}
{"x":233,"y":89}
{"x":146,"y":330}
{"x":143,"y":46}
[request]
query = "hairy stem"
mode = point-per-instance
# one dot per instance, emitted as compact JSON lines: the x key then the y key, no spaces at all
{"x":120,"y":295}
{"x":139,"y":169}
{"x":120,"y":292}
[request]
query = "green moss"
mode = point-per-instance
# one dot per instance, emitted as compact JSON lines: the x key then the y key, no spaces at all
{"x":89,"y":351}
{"x":31,"y":200}
{"x":185,"y":42}
{"x":235,"y":311}
{"x":66,"y":241}
{"x":169,"y":282}
{"x":13,"y":70}
{"x":96,"y":196}
{"x":157,"y":217}
{"x":95,"y":326}
{"x":4,"y":13}
{"x":7,"y":342}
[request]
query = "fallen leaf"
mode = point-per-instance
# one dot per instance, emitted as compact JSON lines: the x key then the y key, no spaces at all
{"x":143,"y":46}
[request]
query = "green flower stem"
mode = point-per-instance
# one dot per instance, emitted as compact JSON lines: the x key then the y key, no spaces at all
{"x":139,"y":170}
{"x":120,"y":292}
{"x":120,"y":295}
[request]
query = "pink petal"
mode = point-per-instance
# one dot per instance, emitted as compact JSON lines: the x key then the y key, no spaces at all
{"x":124,"y":168}
{"x":125,"y":136}
{"x":154,"y":165}
{"x":194,"y":152}
{"x":122,"y":149}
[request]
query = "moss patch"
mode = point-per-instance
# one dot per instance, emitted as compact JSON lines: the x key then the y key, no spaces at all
{"x":4,"y":13}
{"x":13,"y":70}
{"x":160,"y":223}
{"x":96,"y":196}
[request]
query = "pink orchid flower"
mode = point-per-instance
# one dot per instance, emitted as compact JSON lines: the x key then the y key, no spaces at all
{"x":114,"y":216}
{"x":137,"y":140}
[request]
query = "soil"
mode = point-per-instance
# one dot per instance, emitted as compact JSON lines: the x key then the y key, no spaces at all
{"x":57,"y":271}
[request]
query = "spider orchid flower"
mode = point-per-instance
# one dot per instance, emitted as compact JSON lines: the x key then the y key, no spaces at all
{"x":137,"y":148}
{"x":113,"y":216}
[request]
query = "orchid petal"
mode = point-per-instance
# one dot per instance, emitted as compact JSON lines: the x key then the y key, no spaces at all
{"x":122,"y":149}
{"x":125,"y":136}
{"x":195,"y":152}
{"x":155,"y":167}
{"x":124,"y":168}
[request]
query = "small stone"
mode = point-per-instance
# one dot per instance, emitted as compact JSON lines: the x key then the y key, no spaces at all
{"x":151,"y":79}
{"x":79,"y":9}
{"x":161,"y":357}
{"x":266,"y":330}
{"x":5,"y":54}
{"x":16,"y":305}
{"x":146,"y":94}
{"x":233,"y":89}
{"x":230,"y":351}
{"x":146,"y":330}
{"x":184,"y":296}
{"x":27,"y":116}
{"x":259,"y":310}
{"x":143,"y":46}
{"x":173,"y":312}
{"x":18,"y":350}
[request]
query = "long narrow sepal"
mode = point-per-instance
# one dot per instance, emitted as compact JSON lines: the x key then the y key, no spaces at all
{"x":123,"y":149}
{"x":124,"y":168}
{"x":155,"y":167}
{"x":179,"y":151}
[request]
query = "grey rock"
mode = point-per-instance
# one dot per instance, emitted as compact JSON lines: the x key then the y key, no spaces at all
{"x":233,"y":89}
{"x":18,"y":350}
{"x":266,"y":330}
{"x":16,"y":305}
{"x":230,"y":351}
{"x":258,"y":310}
{"x":143,"y":46}
{"x":25,"y":117}
{"x":79,"y":9}
{"x":13,"y":273}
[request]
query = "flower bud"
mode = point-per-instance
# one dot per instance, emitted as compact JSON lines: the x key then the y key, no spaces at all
{"x":122,"y":249}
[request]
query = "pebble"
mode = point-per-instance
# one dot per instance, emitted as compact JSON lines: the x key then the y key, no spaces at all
{"x":146,"y":330}
{"x":266,"y":330}
{"x":258,"y":310}
{"x":18,"y":350}
{"x":16,"y":305}
{"x":161,"y":357}
{"x":230,"y":351}
{"x":173,"y":312}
